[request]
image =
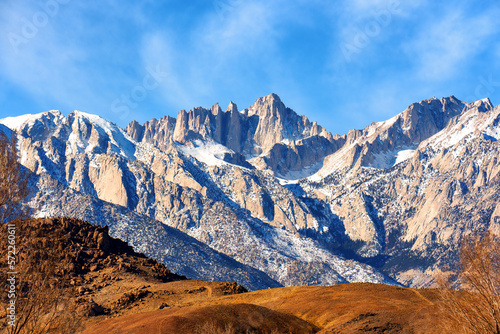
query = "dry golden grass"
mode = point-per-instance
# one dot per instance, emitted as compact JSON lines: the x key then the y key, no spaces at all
{"x":349,"y":308}
{"x":231,"y":318}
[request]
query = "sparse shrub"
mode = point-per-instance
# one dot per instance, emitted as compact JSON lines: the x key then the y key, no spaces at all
{"x":211,"y":327}
{"x":477,"y":308}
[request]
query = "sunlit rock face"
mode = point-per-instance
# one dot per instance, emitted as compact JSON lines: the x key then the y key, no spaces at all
{"x":275,"y":193}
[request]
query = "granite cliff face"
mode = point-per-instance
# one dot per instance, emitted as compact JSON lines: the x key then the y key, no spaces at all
{"x":424,"y":195}
{"x":275,"y":193}
{"x":378,"y":144}
{"x":269,"y":132}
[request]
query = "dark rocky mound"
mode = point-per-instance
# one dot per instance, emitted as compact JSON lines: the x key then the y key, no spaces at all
{"x":78,"y":248}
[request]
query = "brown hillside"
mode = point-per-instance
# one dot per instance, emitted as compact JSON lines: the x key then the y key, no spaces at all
{"x":116,"y":290}
{"x":349,"y":308}
{"x":103,"y":277}
{"x":231,"y":318}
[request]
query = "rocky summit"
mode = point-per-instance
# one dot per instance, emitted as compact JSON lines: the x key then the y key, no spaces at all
{"x":267,"y":198}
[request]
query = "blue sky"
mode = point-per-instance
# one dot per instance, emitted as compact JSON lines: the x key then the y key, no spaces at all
{"x":341,"y":63}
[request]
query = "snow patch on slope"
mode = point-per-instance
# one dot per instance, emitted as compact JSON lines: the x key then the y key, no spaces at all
{"x":16,"y":123}
{"x":295,"y":175}
{"x":386,"y":160}
{"x":207,"y":152}
{"x":404,"y":155}
{"x":493,"y":129}
{"x":493,"y":132}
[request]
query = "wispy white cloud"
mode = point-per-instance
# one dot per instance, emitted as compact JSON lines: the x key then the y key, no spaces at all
{"x":159,"y":50}
{"x":35,"y":58}
{"x":364,"y":8}
{"x":55,"y":55}
{"x":220,"y":51}
{"x":251,"y":26}
{"x":362,"y":24}
{"x":418,"y":54}
{"x":90,"y":54}
{"x":444,"y":45}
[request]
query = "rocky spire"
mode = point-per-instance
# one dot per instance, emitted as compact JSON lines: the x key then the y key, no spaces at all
{"x":135,"y":130}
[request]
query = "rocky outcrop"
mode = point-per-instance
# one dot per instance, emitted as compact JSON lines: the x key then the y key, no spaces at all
{"x":84,"y":248}
{"x":304,"y":155}
{"x":267,"y":129}
{"x":108,"y":179}
{"x":379,"y":143}
{"x":159,"y":133}
{"x":278,"y":123}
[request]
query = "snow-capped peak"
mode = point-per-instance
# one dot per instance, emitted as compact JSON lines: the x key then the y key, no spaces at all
{"x":17,"y":123}
{"x":485,"y":104}
{"x":480,"y":117}
{"x":94,"y":119}
{"x":121,"y":143}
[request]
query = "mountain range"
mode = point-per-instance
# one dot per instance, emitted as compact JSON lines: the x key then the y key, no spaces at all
{"x":267,"y":198}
